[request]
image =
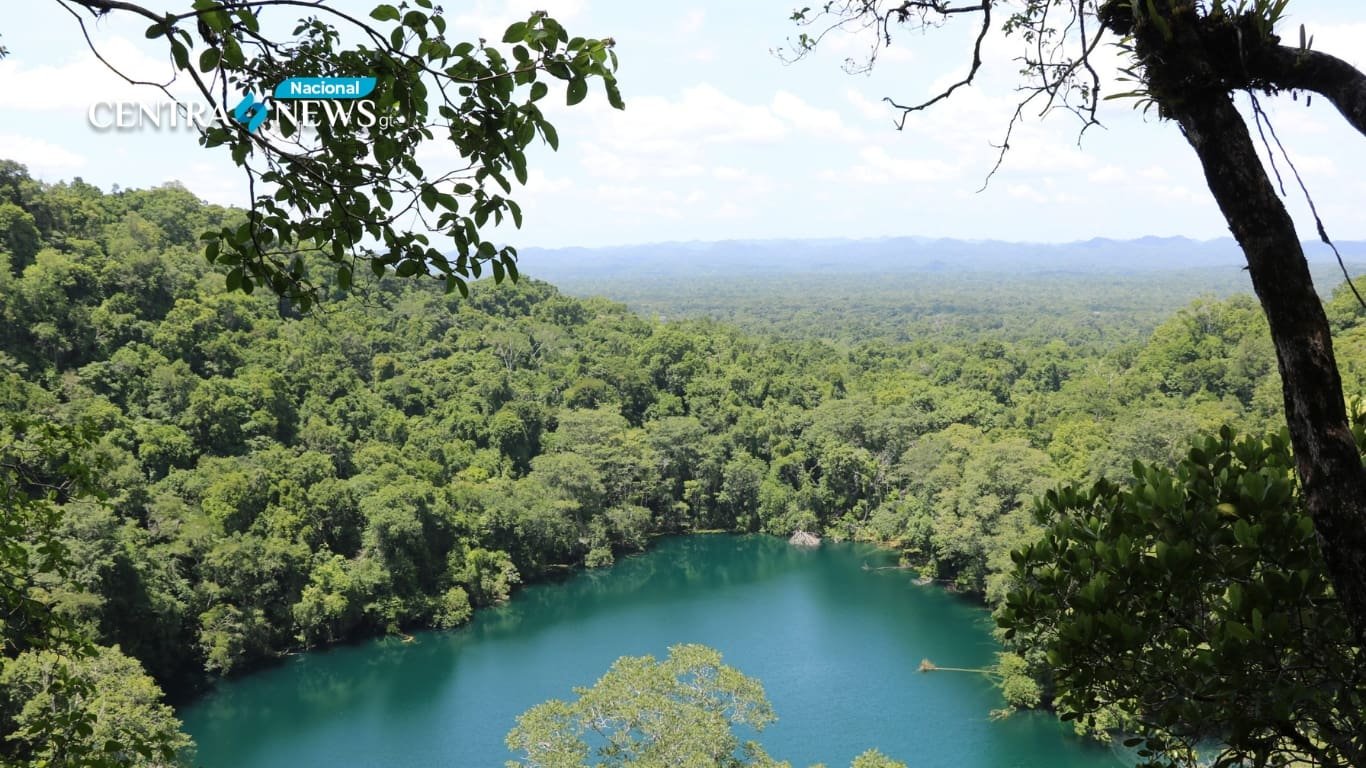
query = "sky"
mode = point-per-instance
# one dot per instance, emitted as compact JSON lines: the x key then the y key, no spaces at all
{"x":721,"y":139}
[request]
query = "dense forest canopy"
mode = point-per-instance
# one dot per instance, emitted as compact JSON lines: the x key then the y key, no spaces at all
{"x":1188,"y":62}
{"x":257,"y":482}
{"x":196,"y":482}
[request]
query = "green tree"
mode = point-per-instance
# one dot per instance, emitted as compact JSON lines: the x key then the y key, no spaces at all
{"x":1188,"y":59}
{"x":99,"y":709}
{"x":345,"y":196}
{"x":1197,"y":604}
{"x":63,"y":700}
{"x":21,"y":238}
{"x":647,"y":713}
{"x":875,"y":759}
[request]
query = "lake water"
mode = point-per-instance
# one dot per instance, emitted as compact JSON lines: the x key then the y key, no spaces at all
{"x":836,"y":646}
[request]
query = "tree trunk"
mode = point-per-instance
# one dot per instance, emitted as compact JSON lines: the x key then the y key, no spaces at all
{"x":1332,"y":477}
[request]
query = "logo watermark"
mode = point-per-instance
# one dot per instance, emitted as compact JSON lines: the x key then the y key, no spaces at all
{"x":296,"y":104}
{"x":251,"y":113}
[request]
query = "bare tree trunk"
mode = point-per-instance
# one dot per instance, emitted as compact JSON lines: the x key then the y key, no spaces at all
{"x":1330,"y":469}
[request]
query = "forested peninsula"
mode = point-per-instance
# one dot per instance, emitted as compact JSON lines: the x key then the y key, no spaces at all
{"x":233,"y":481}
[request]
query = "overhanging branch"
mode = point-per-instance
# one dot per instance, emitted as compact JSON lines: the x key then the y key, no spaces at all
{"x":1299,"y":69}
{"x":985,"y":10}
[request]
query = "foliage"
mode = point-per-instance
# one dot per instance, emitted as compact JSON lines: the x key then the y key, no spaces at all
{"x":646,"y":713}
{"x":96,"y":710}
{"x":346,"y":191}
{"x":272,"y":483}
{"x":1196,"y":601}
{"x":1018,"y":685}
{"x":1191,"y":60}
{"x":63,"y":700}
{"x":679,"y":711}
{"x":875,"y":759}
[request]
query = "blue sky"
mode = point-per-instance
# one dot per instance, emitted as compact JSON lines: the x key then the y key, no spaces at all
{"x":722,"y":140}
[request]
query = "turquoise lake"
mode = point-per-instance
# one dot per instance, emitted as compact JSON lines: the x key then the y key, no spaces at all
{"x":836,"y":645}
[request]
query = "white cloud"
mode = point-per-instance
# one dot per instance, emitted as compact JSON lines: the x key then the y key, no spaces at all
{"x":1177,"y":194}
{"x":82,"y":80}
{"x":611,"y":163}
{"x":539,"y":183}
{"x":728,"y":173}
{"x":824,"y":123}
{"x":692,"y":21}
{"x":42,"y":157}
{"x":544,"y":193}
{"x":1341,"y":40}
{"x":701,"y":115}
{"x":855,"y":47}
{"x":1317,"y":165}
{"x":660,"y":136}
{"x":489,"y":18}
{"x":220,"y":183}
{"x":1027,"y":193}
{"x":732,"y":210}
{"x":733,"y":197}
{"x":877,"y":166}
{"x":1108,"y":174}
{"x":870,"y":109}
{"x":640,"y":200}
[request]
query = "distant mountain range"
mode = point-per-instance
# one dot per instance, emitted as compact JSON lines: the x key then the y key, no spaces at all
{"x":895,"y":255}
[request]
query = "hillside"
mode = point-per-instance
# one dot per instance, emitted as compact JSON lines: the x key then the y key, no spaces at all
{"x":256,"y":482}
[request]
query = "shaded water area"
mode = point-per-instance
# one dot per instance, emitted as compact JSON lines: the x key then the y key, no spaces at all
{"x":837,"y":647}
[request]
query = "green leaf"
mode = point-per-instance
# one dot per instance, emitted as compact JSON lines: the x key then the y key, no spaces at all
{"x":212,"y":14}
{"x":208,"y":60}
{"x":578,"y":89}
{"x":515,"y":33}
{"x":613,"y":93}
{"x":232,"y":53}
{"x":180,"y":54}
{"x":385,"y":12}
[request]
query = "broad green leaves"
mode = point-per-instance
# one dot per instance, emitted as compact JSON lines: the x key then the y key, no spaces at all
{"x":351,"y":189}
{"x":1196,"y":603}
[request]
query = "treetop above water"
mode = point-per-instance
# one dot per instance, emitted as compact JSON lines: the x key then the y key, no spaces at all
{"x":836,"y":646}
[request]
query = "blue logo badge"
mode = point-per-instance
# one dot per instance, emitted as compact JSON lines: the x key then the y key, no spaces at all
{"x":251,"y":113}
{"x":325,"y":88}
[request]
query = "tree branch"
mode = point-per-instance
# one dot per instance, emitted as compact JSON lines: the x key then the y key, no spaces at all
{"x":985,"y":10}
{"x":1289,"y":68}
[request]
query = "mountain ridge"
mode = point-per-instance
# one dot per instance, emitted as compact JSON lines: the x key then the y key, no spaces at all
{"x":896,"y":255}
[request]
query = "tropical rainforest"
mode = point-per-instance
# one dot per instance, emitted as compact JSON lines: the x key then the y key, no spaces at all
{"x":201,"y":481}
